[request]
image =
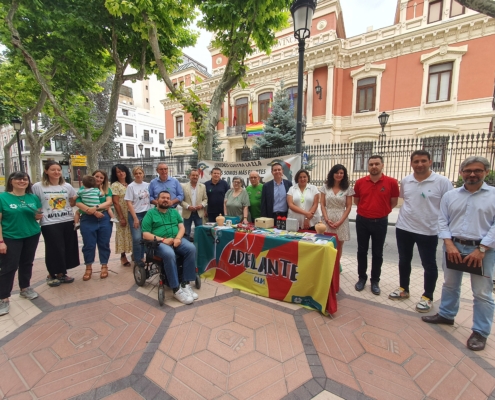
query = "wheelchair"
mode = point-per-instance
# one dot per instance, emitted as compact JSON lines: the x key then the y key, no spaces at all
{"x":153,"y":265}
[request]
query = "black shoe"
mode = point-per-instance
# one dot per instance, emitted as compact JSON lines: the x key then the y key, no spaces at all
{"x":359,"y":286}
{"x":375,"y":288}
{"x":476,"y":342}
{"x":437,"y":319}
{"x":140,"y":264}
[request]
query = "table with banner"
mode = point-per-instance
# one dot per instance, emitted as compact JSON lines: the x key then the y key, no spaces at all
{"x":281,"y":267}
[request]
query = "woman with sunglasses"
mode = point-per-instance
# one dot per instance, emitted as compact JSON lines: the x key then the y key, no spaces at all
{"x":57,"y":225}
{"x":20,"y":211}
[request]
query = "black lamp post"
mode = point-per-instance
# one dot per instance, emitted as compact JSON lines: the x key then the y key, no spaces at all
{"x":170,"y":144}
{"x":17,"y":123}
{"x":140,"y":145}
{"x":302,"y":15}
{"x":245,"y":149}
{"x":383,"y":118}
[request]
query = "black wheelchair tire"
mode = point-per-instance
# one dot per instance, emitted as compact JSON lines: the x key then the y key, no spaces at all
{"x":139,"y":275}
{"x":161,"y":295}
{"x":198,"y":282}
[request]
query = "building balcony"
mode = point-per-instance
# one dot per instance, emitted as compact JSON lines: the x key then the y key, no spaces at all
{"x":235,"y":130}
{"x":146,"y":139}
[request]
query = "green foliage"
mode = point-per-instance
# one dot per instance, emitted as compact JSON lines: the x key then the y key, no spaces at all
{"x":280,"y":127}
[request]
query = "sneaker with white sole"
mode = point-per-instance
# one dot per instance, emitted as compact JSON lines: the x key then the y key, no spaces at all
{"x":191,"y":292}
{"x":28,"y":293}
{"x":115,"y":220}
{"x":52,"y":282}
{"x":183,"y":296}
{"x":4,"y":307}
{"x":77,"y":225}
{"x":398,"y":294}
{"x":424,"y":304}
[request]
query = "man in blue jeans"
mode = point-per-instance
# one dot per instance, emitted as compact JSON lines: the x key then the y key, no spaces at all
{"x":467,"y":226}
{"x":165,"y":224}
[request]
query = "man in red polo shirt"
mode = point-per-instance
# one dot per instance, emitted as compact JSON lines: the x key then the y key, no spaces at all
{"x":375,"y":196}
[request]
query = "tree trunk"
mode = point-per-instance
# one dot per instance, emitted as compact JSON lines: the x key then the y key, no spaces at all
{"x":36,"y":162}
{"x":91,"y":150}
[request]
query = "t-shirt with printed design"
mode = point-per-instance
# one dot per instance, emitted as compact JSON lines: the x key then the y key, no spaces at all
{"x":139,"y":194}
{"x":162,"y":224}
{"x":55,"y":202}
{"x":18,"y":215}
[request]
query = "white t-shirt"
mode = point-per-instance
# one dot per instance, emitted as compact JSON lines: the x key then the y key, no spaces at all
{"x":419,"y":213}
{"x":55,"y":202}
{"x":139,"y":194}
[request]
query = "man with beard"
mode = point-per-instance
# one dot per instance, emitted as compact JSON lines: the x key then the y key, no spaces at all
{"x":467,"y":226}
{"x":375,"y":196}
{"x":164,"y":224}
{"x":215,"y":191}
{"x":421,"y":190}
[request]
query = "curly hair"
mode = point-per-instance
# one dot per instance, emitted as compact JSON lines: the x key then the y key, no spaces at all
{"x":344,"y":183}
{"x":123,"y":168}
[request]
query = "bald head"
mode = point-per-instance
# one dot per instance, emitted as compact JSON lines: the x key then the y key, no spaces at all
{"x":254,"y":178}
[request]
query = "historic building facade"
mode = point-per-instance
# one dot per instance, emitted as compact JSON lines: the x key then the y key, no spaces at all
{"x":432,"y":71}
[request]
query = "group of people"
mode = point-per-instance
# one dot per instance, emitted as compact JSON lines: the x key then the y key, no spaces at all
{"x":464,"y":218}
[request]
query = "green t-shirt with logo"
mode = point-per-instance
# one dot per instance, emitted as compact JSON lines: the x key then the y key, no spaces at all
{"x":164,"y":225}
{"x":18,"y":215}
{"x":255,"y":200}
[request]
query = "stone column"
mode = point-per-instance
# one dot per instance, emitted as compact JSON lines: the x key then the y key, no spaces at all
{"x":309,"y":104}
{"x":329,"y":96}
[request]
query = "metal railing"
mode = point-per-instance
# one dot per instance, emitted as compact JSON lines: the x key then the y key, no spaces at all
{"x":235,"y":130}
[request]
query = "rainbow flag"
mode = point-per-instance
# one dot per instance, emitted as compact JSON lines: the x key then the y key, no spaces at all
{"x":255,"y":129}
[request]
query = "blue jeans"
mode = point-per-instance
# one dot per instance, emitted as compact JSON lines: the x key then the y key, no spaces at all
{"x":198,"y":221}
{"x":96,"y":232}
{"x":167,"y":253}
{"x":427,"y":247}
{"x":137,"y":235}
{"x":483,"y":305}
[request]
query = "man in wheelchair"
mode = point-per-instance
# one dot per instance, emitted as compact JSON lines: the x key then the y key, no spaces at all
{"x":165,"y":224}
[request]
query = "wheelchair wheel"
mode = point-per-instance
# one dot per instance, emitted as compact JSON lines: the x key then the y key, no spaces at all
{"x":198,"y":282}
{"x":161,"y":295}
{"x":139,"y":275}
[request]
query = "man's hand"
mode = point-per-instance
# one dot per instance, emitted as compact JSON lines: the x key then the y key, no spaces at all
{"x":474,"y":259}
{"x":177,"y":242}
{"x":191,"y":208}
{"x":198,"y":207}
{"x":453,"y":255}
{"x":168,"y":242}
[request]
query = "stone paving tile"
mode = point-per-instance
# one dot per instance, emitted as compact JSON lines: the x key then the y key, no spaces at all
{"x":71,"y":351}
{"x":232,"y":347}
{"x":127,"y":394}
{"x":21,"y":311}
{"x":412,"y":361}
{"x":325,"y":395}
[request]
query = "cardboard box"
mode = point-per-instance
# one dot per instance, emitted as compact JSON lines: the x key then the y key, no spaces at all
{"x":264,"y":223}
{"x":291,"y":225}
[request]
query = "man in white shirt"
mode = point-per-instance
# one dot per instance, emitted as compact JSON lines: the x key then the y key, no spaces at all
{"x":418,"y":223}
{"x":467,"y":226}
{"x":194,"y":203}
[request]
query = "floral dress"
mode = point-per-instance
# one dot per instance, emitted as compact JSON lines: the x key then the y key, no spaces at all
{"x":123,"y":239}
{"x":335,"y":205}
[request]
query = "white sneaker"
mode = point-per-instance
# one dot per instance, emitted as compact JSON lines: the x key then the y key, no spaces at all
{"x":77,"y":225}
{"x":115,"y":220}
{"x":191,"y":292}
{"x":424,"y":304}
{"x":28,"y":293}
{"x":183,"y":296}
{"x":4,"y":307}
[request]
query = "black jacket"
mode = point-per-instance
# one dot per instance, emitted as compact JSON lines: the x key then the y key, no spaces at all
{"x":267,"y":198}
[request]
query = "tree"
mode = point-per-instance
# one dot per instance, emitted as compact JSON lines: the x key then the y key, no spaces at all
{"x":280,"y":127}
{"x":239,"y":27}
{"x":84,"y":31}
{"x":217,"y":151}
{"x":483,"y":6}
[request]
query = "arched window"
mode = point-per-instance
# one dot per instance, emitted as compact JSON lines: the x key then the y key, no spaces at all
{"x":264,"y":106}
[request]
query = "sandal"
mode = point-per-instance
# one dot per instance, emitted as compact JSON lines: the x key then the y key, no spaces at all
{"x":125,"y":262}
{"x":87,"y":273}
{"x":104,"y":271}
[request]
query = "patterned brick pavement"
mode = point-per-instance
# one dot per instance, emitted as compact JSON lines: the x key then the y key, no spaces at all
{"x":109,"y":339}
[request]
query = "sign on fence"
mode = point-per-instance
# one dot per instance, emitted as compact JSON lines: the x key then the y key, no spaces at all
{"x":78,"y":161}
{"x":290,"y":165}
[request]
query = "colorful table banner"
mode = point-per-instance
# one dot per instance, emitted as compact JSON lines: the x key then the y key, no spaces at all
{"x":255,"y":129}
{"x":278,"y":268}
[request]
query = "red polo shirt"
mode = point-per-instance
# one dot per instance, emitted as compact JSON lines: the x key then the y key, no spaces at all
{"x":374,"y":197}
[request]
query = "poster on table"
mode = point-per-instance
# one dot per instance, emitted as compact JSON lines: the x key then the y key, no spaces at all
{"x":269,"y":266}
{"x":290,"y":165}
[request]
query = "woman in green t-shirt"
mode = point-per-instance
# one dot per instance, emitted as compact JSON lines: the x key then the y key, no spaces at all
{"x":20,"y":211}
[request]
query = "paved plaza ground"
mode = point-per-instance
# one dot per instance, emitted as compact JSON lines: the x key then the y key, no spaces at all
{"x":110,"y":339}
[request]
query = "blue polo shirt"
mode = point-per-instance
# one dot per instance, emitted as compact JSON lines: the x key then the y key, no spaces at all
{"x":171,"y":185}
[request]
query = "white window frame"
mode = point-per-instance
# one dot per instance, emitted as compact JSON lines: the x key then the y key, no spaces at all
{"x":178,"y":113}
{"x":367,"y":71}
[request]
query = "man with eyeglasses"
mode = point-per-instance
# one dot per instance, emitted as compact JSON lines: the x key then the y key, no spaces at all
{"x":467,"y":226}
{"x":254,"y":191}
{"x":421,"y":190}
{"x":165,"y":183}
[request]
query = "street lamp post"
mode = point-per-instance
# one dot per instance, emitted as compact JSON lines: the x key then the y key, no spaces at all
{"x":17,"y":123}
{"x":302,"y":15}
{"x":383,"y":119}
{"x":140,"y":145}
{"x":245,"y":149}
{"x":170,"y":144}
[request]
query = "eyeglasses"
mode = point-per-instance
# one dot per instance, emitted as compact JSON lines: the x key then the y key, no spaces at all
{"x":21,"y":179}
{"x":253,"y":177}
{"x":473,"y":171}
{"x":162,"y":169}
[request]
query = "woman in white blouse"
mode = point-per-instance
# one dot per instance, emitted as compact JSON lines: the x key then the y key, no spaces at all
{"x":303,"y":200}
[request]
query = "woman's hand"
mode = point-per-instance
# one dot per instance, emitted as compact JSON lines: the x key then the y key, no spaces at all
{"x":3,"y":248}
{"x":308,"y":215}
{"x":136,"y":224}
{"x":38,"y":215}
{"x":123,"y":222}
{"x":306,"y":223}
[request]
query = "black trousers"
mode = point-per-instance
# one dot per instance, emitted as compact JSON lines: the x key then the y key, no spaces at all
{"x":427,"y":248}
{"x":212,"y":217}
{"x":20,"y":255}
{"x":376,"y":230}
{"x":61,"y":247}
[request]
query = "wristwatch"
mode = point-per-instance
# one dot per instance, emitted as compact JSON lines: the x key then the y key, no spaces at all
{"x":482,"y":249}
